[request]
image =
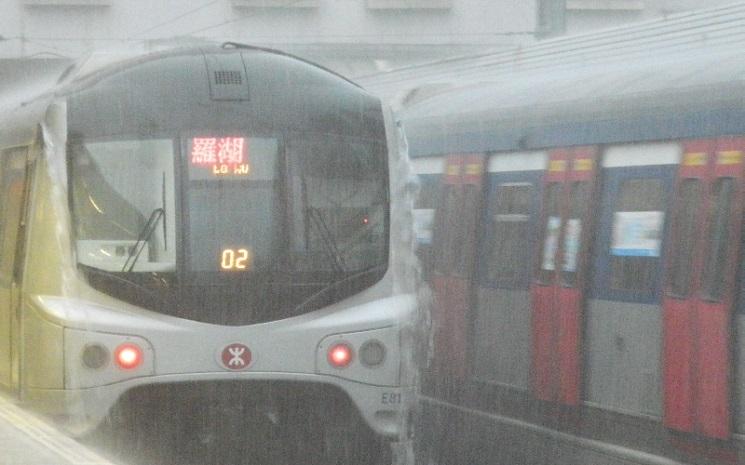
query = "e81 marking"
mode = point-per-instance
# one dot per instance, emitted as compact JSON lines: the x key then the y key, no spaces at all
{"x":390,"y":398}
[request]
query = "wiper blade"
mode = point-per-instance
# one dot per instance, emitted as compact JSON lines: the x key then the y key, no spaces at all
{"x":328,"y":239}
{"x":122,"y":280}
{"x":142,"y":238}
{"x":335,"y":284}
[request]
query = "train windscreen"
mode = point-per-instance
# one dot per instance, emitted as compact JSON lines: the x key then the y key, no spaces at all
{"x":191,"y":218}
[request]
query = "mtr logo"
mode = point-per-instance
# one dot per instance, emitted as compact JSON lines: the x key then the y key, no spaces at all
{"x":236,"y":357}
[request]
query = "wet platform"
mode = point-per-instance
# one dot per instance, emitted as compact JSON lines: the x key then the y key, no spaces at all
{"x":26,"y":439}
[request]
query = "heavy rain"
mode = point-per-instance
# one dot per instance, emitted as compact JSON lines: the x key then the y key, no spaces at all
{"x":372,"y":232}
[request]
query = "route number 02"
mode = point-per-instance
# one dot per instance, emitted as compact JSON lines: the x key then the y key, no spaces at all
{"x":235,"y":259}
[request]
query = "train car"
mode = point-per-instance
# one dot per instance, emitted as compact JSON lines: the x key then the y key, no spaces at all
{"x":224,"y":225}
{"x":582,"y":227}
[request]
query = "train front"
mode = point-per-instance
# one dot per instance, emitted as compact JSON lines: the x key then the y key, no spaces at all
{"x":227,"y":239}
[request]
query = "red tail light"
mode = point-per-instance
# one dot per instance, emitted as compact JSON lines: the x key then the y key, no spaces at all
{"x":128,"y":356}
{"x":340,"y":355}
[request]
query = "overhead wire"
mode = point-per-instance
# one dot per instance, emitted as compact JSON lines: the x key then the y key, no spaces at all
{"x":63,"y":52}
{"x":173,"y":20}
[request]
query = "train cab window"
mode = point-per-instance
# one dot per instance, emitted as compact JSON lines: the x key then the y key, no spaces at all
{"x":579,"y":196}
{"x":683,"y":234}
{"x":508,"y":256}
{"x":551,"y":228}
{"x":718,"y":243}
{"x":122,"y":196}
{"x":340,"y":218}
{"x":638,"y":221}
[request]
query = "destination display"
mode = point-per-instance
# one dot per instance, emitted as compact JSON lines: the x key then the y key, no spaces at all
{"x":218,"y":158}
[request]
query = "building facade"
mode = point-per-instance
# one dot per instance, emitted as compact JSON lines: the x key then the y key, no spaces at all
{"x":354,"y":37}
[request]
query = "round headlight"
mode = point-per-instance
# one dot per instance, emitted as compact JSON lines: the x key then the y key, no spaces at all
{"x":95,"y":356}
{"x":372,"y":353}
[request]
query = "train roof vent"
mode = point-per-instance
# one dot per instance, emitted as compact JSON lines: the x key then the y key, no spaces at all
{"x":228,"y":78}
{"x":227,"y":74}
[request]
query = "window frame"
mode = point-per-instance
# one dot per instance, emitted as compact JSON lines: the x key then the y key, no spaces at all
{"x":713,"y":271}
{"x":542,"y":276}
{"x":9,"y":268}
{"x":521,"y":278}
{"x":600,"y":282}
{"x":676,"y":262}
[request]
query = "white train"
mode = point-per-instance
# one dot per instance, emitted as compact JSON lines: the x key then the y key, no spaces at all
{"x":227,"y":216}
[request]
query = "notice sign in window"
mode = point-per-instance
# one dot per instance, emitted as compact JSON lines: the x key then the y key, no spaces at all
{"x":637,"y":234}
{"x":423,"y":222}
{"x":551,"y":242}
{"x":572,"y":237}
{"x":218,"y":157}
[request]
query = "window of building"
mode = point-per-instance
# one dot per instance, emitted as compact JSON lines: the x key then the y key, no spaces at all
{"x":275,"y":3}
{"x":53,"y":3}
{"x":605,"y":5}
{"x":407,"y":4}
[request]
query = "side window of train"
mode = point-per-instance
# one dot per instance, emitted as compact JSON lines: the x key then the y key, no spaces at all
{"x":511,"y":235}
{"x":550,"y":230}
{"x":722,"y":194}
{"x":447,"y":230}
{"x":12,"y":188}
{"x":467,"y":230}
{"x":578,"y":199}
{"x":636,"y":237}
{"x":424,"y":213}
{"x":684,"y":236}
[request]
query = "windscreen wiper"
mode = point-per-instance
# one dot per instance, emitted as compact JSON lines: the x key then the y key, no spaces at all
{"x":122,"y":280}
{"x":335,"y":284}
{"x":328,"y":239}
{"x":142,"y":238}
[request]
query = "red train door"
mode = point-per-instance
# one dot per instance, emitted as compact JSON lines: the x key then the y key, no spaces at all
{"x":561,"y":273}
{"x":455,"y":238}
{"x":698,"y":303}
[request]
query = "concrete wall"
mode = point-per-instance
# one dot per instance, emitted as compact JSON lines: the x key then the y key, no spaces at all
{"x":391,"y":33}
{"x":354,"y":37}
{"x":586,"y":15}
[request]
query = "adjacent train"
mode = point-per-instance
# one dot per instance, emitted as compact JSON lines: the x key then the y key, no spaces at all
{"x":581,"y":228}
{"x":224,"y":225}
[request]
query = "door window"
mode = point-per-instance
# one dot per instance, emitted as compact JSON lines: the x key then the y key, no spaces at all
{"x":719,"y":243}
{"x":579,"y":197}
{"x":467,"y":220}
{"x":551,"y":228}
{"x":511,"y":239}
{"x":638,"y":220}
{"x":447,"y":230}
{"x":684,"y":236}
